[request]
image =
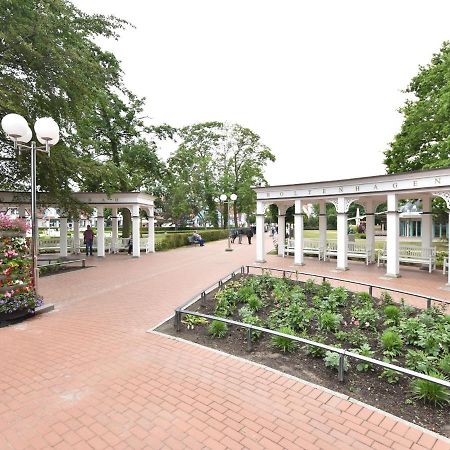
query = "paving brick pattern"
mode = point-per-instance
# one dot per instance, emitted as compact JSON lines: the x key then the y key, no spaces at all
{"x":88,"y":376}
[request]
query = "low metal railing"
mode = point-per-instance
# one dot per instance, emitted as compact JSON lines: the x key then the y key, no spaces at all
{"x":341,"y":352}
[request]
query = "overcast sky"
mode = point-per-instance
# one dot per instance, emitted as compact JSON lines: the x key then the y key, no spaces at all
{"x":320,"y":81}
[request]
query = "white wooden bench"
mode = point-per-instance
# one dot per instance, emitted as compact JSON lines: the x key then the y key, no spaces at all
{"x":122,"y":244}
{"x":413,"y":255}
{"x":354,"y":250}
{"x":310,"y":247}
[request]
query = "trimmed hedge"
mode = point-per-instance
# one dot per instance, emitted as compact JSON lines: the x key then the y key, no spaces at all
{"x":174,"y":240}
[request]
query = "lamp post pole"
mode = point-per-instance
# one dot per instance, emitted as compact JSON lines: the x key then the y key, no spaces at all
{"x":47,"y":133}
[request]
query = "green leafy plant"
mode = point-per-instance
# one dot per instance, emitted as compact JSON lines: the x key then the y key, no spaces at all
{"x":253,"y":320}
{"x":245,"y":311}
{"x":444,"y":364}
{"x":338,"y":296}
{"x":364,"y":350}
{"x":391,"y":342}
{"x":317,"y":352}
{"x":218,"y":329}
{"x":329,"y":321}
{"x":192,"y":321}
{"x":332,"y":360}
{"x":391,"y":376}
{"x":365,"y":317}
{"x":283,"y":343}
{"x":411,"y":330}
{"x":386,"y":298}
{"x":363,"y":299}
{"x":430,"y":342}
{"x":419,"y":361}
{"x":298,"y":317}
{"x":310,"y":286}
{"x":430,"y":392}
{"x":254,"y":302}
{"x":392,"y":315}
{"x":405,"y":309}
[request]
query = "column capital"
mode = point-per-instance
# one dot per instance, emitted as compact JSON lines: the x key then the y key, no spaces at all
{"x":445,"y":195}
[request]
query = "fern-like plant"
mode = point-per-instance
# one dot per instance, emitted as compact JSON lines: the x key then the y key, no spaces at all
{"x":428,"y":391}
{"x":218,"y":329}
{"x":392,"y":315}
{"x":283,"y":343}
{"x":332,"y":360}
{"x":391,"y":342}
{"x":444,"y":364}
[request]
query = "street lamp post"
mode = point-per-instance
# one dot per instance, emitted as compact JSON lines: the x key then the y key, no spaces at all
{"x":224,"y":198}
{"x":47,"y":133}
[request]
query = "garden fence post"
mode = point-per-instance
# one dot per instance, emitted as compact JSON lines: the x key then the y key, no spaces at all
{"x":284,"y":274}
{"x":248,"y":270}
{"x":370,"y":291}
{"x":177,"y":319}
{"x":428,"y":303}
{"x":249,"y":339}
{"x":341,"y":367}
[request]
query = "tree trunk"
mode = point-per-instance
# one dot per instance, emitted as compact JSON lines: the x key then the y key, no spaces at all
{"x":126,"y":226}
{"x":235,"y":215}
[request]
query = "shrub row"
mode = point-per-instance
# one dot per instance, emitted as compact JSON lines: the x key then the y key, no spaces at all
{"x":174,"y":240}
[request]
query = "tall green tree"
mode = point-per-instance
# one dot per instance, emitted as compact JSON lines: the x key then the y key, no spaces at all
{"x":214,"y":158}
{"x":119,"y":153}
{"x":424,"y":138}
{"x":50,"y":65}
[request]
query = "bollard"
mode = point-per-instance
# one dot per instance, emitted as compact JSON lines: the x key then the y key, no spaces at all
{"x":341,"y":368}
{"x":177,"y":320}
{"x":249,"y":339}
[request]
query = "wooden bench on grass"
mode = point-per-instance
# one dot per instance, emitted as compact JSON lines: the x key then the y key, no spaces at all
{"x":356,"y":250}
{"x":413,"y":255}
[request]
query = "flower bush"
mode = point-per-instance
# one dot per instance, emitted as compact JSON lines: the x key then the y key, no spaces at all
{"x":8,"y":223}
{"x":16,"y":291}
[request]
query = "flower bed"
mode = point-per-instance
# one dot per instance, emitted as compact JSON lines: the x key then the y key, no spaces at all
{"x":17,"y":295}
{"x":378,"y":328}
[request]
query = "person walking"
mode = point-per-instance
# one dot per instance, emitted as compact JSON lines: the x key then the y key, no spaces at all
{"x":240,"y":234}
{"x":234,"y":235}
{"x":130,"y":245}
{"x":88,"y":236}
{"x":249,"y":235}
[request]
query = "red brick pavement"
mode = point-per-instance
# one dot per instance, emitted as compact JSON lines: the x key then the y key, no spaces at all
{"x":87,"y":376}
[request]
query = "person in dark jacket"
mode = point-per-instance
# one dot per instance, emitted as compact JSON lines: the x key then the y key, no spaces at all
{"x":249,"y":235}
{"x":240,"y":234}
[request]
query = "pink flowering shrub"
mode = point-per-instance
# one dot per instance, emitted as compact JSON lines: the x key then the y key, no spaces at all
{"x":8,"y":223}
{"x":16,"y":290}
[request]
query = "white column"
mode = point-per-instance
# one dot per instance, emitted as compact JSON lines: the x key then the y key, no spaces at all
{"x":281,"y":229}
{"x":63,"y":236}
{"x":342,"y":234}
{"x":151,"y":230}
{"x":100,"y":232}
{"x":298,"y":233}
{"x":76,"y":236}
{"x":114,"y":230}
{"x":392,"y":242}
{"x":136,"y":231}
{"x":448,"y":227}
{"x":370,"y":228}
{"x":260,"y":209}
{"x":322,"y":227}
{"x":426,"y":222}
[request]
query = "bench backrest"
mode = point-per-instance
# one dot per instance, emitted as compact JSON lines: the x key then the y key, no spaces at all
{"x":417,"y":252}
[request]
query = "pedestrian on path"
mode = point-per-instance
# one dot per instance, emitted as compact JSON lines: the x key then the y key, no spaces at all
{"x":88,"y":236}
{"x":249,"y":235}
{"x":240,"y":234}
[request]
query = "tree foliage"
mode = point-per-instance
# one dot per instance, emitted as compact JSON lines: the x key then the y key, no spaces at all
{"x":424,"y":138}
{"x":215,"y":158}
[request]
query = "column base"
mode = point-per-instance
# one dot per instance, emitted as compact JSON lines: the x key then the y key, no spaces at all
{"x":342,"y":269}
{"x":392,"y":275}
{"x":299,"y":264}
{"x":228,"y":249}
{"x":260,"y":261}
{"x":136,"y":256}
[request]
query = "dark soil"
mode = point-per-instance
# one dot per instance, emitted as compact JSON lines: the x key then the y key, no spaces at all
{"x":366,"y":387}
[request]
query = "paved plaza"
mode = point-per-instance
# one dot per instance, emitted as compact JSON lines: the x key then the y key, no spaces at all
{"x":89,"y":376}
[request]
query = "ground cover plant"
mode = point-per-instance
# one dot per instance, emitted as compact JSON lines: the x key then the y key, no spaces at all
{"x":374,"y":327}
